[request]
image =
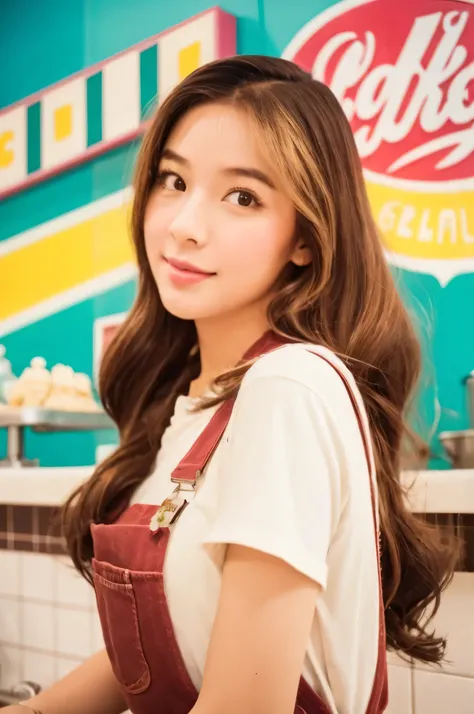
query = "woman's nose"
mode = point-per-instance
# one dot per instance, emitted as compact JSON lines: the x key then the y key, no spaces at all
{"x":190,"y":224}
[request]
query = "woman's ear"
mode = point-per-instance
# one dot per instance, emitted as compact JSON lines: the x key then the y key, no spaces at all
{"x":301,"y":255}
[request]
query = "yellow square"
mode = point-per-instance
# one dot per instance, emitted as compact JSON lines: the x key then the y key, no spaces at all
{"x":189,"y":59}
{"x":6,"y":154}
{"x":63,"y":122}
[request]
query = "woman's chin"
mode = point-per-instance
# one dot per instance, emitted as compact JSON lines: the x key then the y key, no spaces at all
{"x":188,"y":309}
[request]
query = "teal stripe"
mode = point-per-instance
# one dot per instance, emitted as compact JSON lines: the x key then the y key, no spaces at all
{"x":148,"y":79}
{"x":67,"y":191}
{"x":34,"y":137}
{"x":94,"y":109}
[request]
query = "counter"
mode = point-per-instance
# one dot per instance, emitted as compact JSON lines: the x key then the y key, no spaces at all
{"x":449,"y":491}
{"x":29,"y":497}
{"x":40,"y":486}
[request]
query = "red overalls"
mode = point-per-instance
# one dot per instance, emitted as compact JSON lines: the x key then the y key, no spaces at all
{"x":128,"y":580}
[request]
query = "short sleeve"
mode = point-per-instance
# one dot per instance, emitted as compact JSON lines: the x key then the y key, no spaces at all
{"x":279,"y":486}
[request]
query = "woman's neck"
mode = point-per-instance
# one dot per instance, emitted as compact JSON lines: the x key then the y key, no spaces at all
{"x":222,"y":347}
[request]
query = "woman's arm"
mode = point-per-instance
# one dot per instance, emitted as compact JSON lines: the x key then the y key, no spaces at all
{"x":89,"y":689}
{"x":260,"y":634}
{"x":279,"y":495}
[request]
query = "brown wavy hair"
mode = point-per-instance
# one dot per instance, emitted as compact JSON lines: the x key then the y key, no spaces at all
{"x":345,"y":300}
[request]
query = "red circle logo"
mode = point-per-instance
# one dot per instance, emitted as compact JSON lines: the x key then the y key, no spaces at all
{"x":404,"y":75}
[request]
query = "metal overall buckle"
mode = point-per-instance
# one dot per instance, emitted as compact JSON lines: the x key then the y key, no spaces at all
{"x":172,"y":507}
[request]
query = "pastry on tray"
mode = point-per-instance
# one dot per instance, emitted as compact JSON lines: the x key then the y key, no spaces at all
{"x":60,"y":389}
{"x":33,"y":386}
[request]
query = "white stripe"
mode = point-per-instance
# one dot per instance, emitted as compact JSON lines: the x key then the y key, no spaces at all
{"x":443,"y":269}
{"x":121,"y":96}
{"x":415,"y":186}
{"x":79,"y":215}
{"x":109,"y":280}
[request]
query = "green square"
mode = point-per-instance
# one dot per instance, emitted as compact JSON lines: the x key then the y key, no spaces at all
{"x":94,"y":109}
{"x":33,"y":118}
{"x":148,"y":80}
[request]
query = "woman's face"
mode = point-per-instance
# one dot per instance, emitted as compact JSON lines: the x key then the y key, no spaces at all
{"x":218,"y":228}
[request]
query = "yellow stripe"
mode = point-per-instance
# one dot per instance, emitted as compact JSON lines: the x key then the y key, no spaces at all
{"x":423,"y":225}
{"x":64,"y":260}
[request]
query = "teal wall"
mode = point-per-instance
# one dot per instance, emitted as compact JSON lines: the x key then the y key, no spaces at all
{"x":42,"y":42}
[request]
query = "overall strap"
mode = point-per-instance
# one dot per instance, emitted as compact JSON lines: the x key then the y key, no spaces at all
{"x":378,"y":701}
{"x":193,"y":464}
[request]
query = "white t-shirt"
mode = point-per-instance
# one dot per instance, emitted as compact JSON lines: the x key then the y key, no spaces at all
{"x":289,"y":478}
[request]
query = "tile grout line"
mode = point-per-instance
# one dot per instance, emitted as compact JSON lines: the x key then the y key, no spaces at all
{"x":35,"y":529}
{"x":21,"y":609}
{"x":10,"y":532}
{"x":39,"y":650}
{"x":55,"y":603}
{"x":55,"y":614}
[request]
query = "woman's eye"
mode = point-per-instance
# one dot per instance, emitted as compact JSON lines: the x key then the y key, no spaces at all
{"x":242,"y":198}
{"x":172,"y":182}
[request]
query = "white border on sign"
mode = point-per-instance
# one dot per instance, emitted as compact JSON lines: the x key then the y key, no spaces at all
{"x":320,"y":20}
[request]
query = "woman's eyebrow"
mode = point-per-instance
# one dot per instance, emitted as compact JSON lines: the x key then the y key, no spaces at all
{"x":247,"y":172}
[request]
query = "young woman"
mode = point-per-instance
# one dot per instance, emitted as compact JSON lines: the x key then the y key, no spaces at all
{"x":259,"y":385}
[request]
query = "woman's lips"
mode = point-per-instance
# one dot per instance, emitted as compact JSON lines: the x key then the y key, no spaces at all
{"x":183,"y":273}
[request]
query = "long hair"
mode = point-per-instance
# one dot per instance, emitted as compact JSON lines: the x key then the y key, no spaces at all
{"x":345,"y":300}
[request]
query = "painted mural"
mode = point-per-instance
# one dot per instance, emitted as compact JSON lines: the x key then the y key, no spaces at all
{"x":405,"y":77}
{"x":105,"y":105}
{"x":87,"y":251}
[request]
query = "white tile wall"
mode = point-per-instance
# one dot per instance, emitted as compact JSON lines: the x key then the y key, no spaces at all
{"x":11,"y":666}
{"x":38,"y":625}
{"x":400,"y":690}
{"x":448,"y":689}
{"x":451,"y":621}
{"x":393,"y":658}
{"x":436,"y":693}
{"x":74,"y":632}
{"x":65,"y":666}
{"x":39,"y":667}
{"x":9,"y":573}
{"x":72,"y":589}
{"x":49,"y":624}
{"x":48,"y":618}
{"x":10,"y":622}
{"x":37,"y":573}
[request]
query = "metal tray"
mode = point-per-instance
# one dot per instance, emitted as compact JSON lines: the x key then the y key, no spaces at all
{"x":459,"y":446}
{"x":54,"y":420}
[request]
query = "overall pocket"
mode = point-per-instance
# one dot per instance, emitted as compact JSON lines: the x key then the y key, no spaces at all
{"x":118,"y":614}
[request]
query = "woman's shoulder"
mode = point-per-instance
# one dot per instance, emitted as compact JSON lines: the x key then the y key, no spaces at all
{"x":312,"y":366}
